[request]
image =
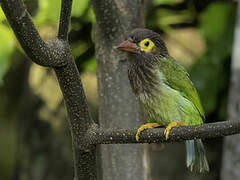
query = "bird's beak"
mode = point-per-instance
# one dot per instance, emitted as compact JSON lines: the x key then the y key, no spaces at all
{"x":128,"y":46}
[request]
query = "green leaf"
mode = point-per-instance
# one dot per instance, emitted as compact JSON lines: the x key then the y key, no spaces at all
{"x":79,"y":7}
{"x":170,"y":2}
{"x":48,"y":12}
{"x":90,"y":16}
{"x":214,"y":20}
{"x":6,"y":47}
{"x":2,"y":16}
{"x":90,"y":65}
{"x":165,"y":18}
{"x":79,"y":48}
{"x":210,"y":73}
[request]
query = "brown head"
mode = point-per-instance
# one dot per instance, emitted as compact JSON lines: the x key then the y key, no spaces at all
{"x":145,"y":48}
{"x":144,"y":42}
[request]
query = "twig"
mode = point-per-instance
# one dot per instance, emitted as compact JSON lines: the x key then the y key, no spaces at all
{"x":85,"y":134}
{"x":65,"y":18}
{"x":27,"y":35}
{"x":123,"y":136}
{"x":56,"y":53}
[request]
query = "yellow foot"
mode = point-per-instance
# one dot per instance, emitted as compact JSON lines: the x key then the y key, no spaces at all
{"x":146,"y":126}
{"x":170,"y":126}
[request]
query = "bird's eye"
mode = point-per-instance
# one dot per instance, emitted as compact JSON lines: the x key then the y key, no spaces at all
{"x":146,"y":43}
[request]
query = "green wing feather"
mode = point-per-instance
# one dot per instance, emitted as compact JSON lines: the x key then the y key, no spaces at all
{"x":177,"y":78}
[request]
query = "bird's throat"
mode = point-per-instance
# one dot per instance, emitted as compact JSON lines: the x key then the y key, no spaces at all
{"x":143,"y":77}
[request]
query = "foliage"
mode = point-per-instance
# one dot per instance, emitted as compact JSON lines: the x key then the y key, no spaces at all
{"x":48,"y":16}
{"x":6,"y":46}
{"x":213,"y":21}
{"x":211,"y":72}
{"x":172,"y":2}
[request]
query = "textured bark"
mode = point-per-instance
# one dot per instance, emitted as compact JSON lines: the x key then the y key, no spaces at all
{"x":39,"y":148}
{"x":79,"y":120}
{"x":118,"y":105}
{"x":156,"y":135}
{"x":29,"y":38}
{"x":57,"y":54}
{"x":231,"y":151}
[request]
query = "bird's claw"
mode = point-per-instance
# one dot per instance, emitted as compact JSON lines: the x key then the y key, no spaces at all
{"x":137,"y":136}
{"x":170,"y":126}
{"x":145,"y":126}
{"x":167,"y":132}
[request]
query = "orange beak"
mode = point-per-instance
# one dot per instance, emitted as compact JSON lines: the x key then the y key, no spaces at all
{"x":128,"y":46}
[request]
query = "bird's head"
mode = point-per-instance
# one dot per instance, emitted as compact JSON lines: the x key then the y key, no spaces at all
{"x":143,"y":42}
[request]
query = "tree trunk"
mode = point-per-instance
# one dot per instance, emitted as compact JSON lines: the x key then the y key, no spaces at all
{"x":231,"y":150}
{"x":118,"y":105}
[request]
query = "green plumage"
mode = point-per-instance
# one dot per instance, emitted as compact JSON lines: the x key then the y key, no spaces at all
{"x":164,"y":88}
{"x":175,"y":99}
{"x":178,"y":79}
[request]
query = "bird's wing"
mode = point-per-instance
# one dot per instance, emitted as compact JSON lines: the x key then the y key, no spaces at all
{"x":177,"y":78}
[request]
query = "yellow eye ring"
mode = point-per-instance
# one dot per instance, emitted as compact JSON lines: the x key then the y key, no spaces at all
{"x":146,"y":45}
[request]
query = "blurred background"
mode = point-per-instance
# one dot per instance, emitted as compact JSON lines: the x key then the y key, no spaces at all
{"x":34,"y":137}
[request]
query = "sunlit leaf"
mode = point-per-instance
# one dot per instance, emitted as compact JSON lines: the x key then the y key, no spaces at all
{"x":90,"y":65}
{"x":167,"y":17}
{"x":79,"y":48}
{"x":2,"y":16}
{"x":156,"y":2}
{"x":91,"y":16}
{"x":79,"y":7}
{"x":48,"y":12}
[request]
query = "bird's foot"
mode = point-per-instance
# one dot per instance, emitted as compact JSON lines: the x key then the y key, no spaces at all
{"x":146,"y":126}
{"x":170,"y":126}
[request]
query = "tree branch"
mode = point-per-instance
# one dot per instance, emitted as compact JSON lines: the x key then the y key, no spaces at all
{"x":36,"y":49}
{"x":56,"y":53}
{"x":85,"y":134}
{"x":65,"y":18}
{"x":123,"y":136}
{"x":79,"y":120}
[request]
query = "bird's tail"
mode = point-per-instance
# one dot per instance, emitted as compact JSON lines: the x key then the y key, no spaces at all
{"x":196,"y":159}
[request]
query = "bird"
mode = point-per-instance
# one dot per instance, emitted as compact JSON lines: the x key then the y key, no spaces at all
{"x":163,"y":87}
